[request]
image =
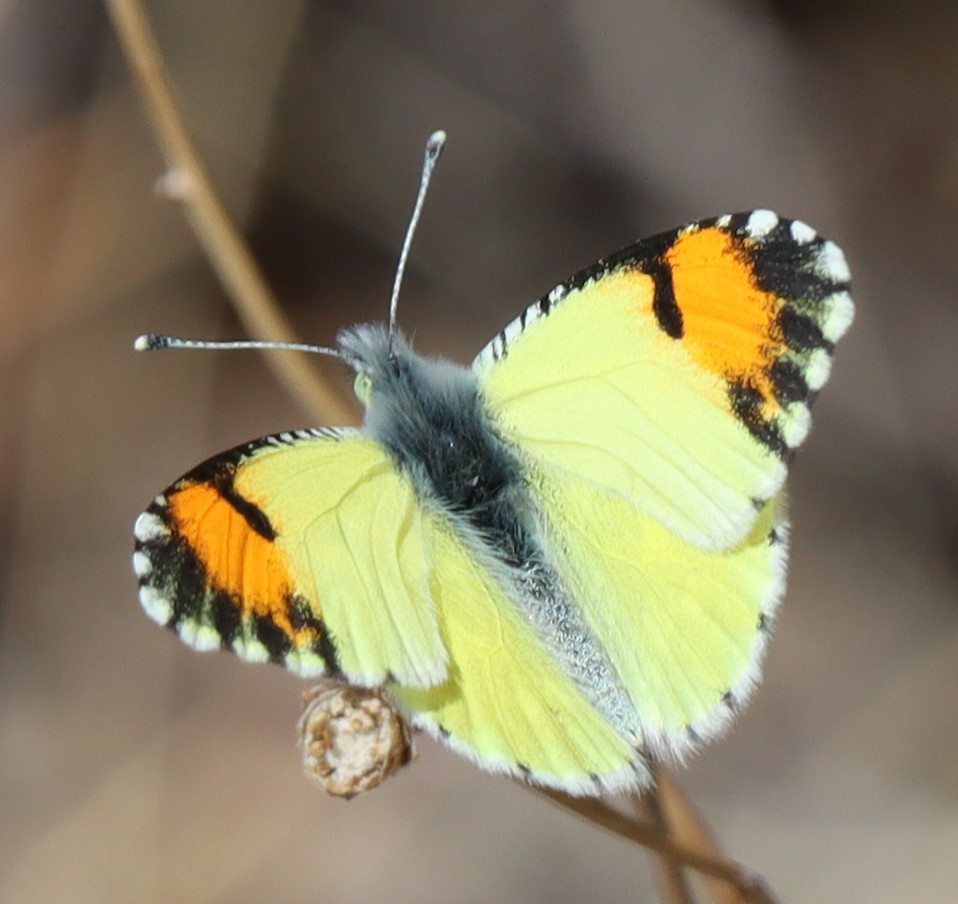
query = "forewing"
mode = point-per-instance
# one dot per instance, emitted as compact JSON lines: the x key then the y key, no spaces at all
{"x":679,"y":372}
{"x":304,"y":549}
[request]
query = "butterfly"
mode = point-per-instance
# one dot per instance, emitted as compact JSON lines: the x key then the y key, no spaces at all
{"x":564,"y":560}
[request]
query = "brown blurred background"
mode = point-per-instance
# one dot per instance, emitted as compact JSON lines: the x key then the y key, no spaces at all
{"x":132,"y":769}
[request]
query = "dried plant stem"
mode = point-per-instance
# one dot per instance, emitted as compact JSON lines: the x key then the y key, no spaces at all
{"x":223,"y":245}
{"x":687,"y":826}
{"x":671,"y":879}
{"x":750,"y":887}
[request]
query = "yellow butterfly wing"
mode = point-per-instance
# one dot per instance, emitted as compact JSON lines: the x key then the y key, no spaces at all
{"x":654,"y":401}
{"x":684,"y":627}
{"x":305,"y":549}
{"x":506,"y":702}
{"x":678,"y":372}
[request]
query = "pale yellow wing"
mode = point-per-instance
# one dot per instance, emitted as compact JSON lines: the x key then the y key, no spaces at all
{"x":678,"y":373}
{"x":305,"y":549}
{"x":685,"y":627}
{"x":507,"y":704}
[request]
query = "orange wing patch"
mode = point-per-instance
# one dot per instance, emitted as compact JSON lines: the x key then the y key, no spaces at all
{"x":753,"y":298}
{"x":730,"y":324}
{"x":237,"y":558}
{"x":210,"y":569}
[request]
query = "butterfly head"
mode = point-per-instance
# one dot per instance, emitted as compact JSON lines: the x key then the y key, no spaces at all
{"x":404,"y":394}
{"x":375,"y":354}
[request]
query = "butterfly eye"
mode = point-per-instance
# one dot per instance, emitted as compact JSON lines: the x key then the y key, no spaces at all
{"x":363,"y":387}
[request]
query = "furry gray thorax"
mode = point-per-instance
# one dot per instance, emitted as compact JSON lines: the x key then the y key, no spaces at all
{"x":429,"y":414}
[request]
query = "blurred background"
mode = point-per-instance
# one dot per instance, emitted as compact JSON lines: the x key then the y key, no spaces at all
{"x":134,"y":769}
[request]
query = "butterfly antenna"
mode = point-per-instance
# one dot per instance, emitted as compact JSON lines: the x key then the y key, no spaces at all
{"x":434,"y":145}
{"x":151,"y":342}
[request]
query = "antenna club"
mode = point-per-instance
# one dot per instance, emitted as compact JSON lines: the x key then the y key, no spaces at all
{"x":150,"y":342}
{"x":435,"y":144}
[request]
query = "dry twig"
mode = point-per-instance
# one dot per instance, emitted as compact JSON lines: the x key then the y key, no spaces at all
{"x":224,"y":246}
{"x":749,"y":886}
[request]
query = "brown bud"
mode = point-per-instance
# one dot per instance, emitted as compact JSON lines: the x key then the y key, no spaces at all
{"x":352,"y":738}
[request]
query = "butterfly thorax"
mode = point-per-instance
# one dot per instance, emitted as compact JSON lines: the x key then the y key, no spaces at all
{"x":429,"y":414}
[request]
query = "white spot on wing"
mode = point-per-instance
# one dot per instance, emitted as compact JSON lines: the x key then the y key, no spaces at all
{"x":498,"y":347}
{"x":818,"y":369}
{"x":511,"y":331}
{"x":251,"y":650}
{"x":773,"y":482}
{"x":155,"y":605}
{"x":724,"y":220}
{"x":798,"y":420}
{"x":199,"y":636}
{"x":149,"y":527}
{"x":802,"y":233}
{"x":305,"y":664}
{"x":841,"y":312}
{"x":142,"y":565}
{"x":832,"y":263}
{"x":761,"y":223}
